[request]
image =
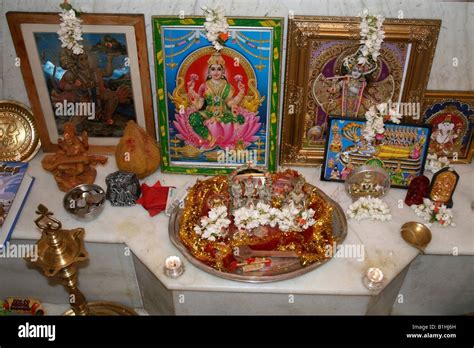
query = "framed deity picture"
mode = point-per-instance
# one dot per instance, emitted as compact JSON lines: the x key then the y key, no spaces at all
{"x":451,"y":113}
{"x":401,"y":151}
{"x":321,"y":81}
{"x":99,"y":91}
{"x":217,"y":109}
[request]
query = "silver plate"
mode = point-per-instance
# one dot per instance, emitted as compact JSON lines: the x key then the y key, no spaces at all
{"x":294,"y":270}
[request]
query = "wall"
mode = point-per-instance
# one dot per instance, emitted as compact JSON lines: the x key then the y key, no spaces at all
{"x":454,"y":39}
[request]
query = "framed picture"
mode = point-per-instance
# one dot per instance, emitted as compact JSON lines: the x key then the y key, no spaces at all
{"x":401,"y":152}
{"x":451,"y":113}
{"x":217,"y":109}
{"x":316,"y":77}
{"x":99,"y":90}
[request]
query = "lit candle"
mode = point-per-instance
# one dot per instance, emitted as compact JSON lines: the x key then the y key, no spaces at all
{"x":173,"y":267}
{"x":373,"y":278}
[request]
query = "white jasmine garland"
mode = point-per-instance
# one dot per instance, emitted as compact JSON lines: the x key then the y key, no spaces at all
{"x":216,"y":24}
{"x":435,"y":163}
{"x":375,"y":120}
{"x":371,"y":36}
{"x":431,"y":212}
{"x":70,"y":31}
{"x":369,"y":208}
{"x":214,"y":225}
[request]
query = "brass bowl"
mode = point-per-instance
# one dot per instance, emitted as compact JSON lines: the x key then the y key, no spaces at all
{"x":416,"y":234}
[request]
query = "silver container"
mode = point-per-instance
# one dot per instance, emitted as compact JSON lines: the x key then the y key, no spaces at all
{"x":366,"y":181}
{"x":85,"y":202}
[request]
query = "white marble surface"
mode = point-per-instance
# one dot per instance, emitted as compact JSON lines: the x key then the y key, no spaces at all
{"x":148,"y":237}
{"x":454,"y":41}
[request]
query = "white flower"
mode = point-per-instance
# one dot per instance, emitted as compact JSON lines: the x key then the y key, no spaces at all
{"x":369,"y":207}
{"x":216,"y":24}
{"x":70,"y":32}
{"x":427,"y":211}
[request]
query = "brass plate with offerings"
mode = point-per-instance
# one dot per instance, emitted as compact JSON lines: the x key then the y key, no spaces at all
{"x":366,"y":181}
{"x":253,"y":226}
{"x":19,"y":139}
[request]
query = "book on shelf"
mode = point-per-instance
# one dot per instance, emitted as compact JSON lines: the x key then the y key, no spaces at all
{"x":15,"y":185}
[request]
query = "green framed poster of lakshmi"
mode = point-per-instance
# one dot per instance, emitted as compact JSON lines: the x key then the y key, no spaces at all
{"x":217,"y":110}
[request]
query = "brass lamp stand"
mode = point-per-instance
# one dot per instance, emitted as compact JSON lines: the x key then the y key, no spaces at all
{"x":59,"y":251}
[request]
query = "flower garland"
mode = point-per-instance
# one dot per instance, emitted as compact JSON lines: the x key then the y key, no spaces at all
{"x":375,"y":116}
{"x":371,"y":37}
{"x":216,"y":26}
{"x":434,"y":212}
{"x":214,"y":225}
{"x":70,"y":29}
{"x":369,"y":208}
{"x":435,"y":163}
{"x":289,"y":218}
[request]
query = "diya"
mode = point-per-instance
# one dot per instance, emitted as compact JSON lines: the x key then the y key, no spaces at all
{"x":443,"y":184}
{"x":367,"y":181}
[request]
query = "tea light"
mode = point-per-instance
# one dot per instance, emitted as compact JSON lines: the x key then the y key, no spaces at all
{"x":173,"y":267}
{"x":373,"y":279}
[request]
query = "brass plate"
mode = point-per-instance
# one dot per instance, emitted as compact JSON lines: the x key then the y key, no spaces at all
{"x":292,"y":270}
{"x":105,"y":308}
{"x":19,"y":140}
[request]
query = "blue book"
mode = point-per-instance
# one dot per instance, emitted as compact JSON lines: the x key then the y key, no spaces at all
{"x":15,"y":186}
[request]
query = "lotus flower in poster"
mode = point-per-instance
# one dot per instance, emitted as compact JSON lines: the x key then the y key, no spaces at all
{"x":224,"y":135}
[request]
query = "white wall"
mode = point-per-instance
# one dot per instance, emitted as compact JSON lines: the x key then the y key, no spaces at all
{"x":454,"y":39}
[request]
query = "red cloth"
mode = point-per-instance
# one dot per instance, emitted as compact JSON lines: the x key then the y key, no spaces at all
{"x":154,"y":198}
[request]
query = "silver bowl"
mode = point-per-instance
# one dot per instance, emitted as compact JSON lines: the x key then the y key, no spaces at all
{"x":362,"y":181}
{"x":85,"y":202}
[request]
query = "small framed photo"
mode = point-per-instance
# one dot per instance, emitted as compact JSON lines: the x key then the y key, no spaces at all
{"x":451,"y":114}
{"x":401,"y":151}
{"x":99,"y":90}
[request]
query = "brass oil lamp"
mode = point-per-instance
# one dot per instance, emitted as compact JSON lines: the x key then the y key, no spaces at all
{"x":59,"y":252}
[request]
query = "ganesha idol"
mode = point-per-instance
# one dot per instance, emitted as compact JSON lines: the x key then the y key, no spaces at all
{"x":216,"y":114}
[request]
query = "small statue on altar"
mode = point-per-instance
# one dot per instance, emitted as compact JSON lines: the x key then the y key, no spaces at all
{"x":71,"y":165}
{"x":249,"y":191}
{"x":265,"y":194}
{"x":297,"y":195}
{"x":236,"y":190}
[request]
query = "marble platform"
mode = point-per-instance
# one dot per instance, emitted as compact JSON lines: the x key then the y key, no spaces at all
{"x":148,"y":238}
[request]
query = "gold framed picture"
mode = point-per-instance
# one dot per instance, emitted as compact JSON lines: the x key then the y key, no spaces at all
{"x":317,"y":48}
{"x":451,"y":114}
{"x":99,"y":90}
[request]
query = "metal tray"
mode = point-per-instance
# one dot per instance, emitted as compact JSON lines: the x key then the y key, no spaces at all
{"x":287,"y":272}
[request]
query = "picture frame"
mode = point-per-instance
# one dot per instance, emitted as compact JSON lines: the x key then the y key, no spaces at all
{"x":198,"y":133}
{"x":316,"y":47}
{"x":402,"y":152}
{"x":99,"y":91}
{"x":454,"y":109}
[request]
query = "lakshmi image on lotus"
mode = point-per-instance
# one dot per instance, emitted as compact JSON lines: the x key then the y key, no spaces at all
{"x":217,"y":100}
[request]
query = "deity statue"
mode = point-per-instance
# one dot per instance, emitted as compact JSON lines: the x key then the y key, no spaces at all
{"x":71,"y":165}
{"x":236,"y":190}
{"x":249,"y":191}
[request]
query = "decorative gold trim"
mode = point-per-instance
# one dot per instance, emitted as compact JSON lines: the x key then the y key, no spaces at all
{"x":307,"y":31}
{"x":438,"y":96}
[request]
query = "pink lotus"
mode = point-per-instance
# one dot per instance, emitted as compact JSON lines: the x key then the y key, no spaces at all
{"x":226,"y":135}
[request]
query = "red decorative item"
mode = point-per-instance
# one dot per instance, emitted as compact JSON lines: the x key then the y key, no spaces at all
{"x":154,"y":198}
{"x":418,"y":189}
